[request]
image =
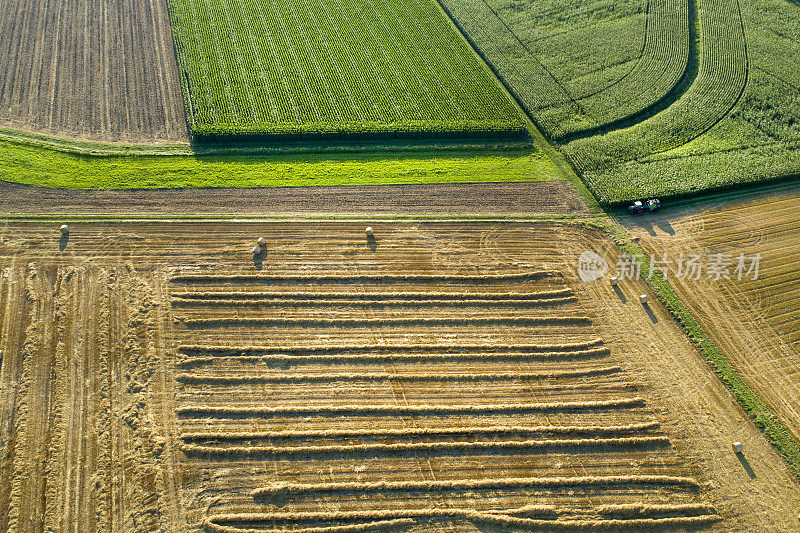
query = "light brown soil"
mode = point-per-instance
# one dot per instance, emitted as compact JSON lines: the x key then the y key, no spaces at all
{"x":103,"y":71}
{"x":755,"y":322}
{"x":436,"y":199}
{"x":118,"y":413}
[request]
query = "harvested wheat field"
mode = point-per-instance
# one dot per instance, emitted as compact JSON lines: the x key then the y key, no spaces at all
{"x":431,"y":377}
{"x":754,"y":321}
{"x":102,"y":70}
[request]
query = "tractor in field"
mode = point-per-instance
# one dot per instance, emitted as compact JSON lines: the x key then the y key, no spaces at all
{"x":638,"y":207}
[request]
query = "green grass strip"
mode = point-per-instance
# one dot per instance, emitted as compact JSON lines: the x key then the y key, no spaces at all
{"x":747,"y":398}
{"x":37,"y":165}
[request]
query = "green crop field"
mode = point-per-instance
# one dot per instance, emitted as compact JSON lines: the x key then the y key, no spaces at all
{"x":652,"y":98}
{"x":721,"y":77}
{"x":288,"y":70}
{"x":582,"y":66}
{"x":738,"y":123}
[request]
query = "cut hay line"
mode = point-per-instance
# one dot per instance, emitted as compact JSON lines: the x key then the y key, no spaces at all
{"x":204,"y":411}
{"x":411,"y":296}
{"x":429,"y":447}
{"x":315,"y":489}
{"x":421,"y":432}
{"x":285,"y":360}
{"x":642,"y":510}
{"x":364,"y":278}
{"x":387,"y":322}
{"x":211,"y":526}
{"x":377,"y":303}
{"x":233,"y":351}
{"x":504,"y":518}
{"x":202,"y":379}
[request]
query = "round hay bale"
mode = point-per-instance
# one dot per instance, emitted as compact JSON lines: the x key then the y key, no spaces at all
{"x":614,"y":280}
{"x":262,"y":241}
{"x":64,"y":229}
{"x":256,"y":250}
{"x":368,"y":231}
{"x":643,"y":298}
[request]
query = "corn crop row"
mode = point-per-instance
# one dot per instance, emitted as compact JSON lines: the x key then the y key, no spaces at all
{"x":721,"y":77}
{"x":662,"y":64}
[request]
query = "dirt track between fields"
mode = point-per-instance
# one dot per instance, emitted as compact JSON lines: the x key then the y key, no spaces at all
{"x":435,"y":199}
{"x":102,"y":71}
{"x":121,"y":413}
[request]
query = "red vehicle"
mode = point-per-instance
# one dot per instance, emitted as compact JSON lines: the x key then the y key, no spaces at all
{"x":638,"y":207}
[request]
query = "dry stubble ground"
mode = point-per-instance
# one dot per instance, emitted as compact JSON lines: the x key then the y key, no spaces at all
{"x":755,"y":322}
{"x":119,"y":414}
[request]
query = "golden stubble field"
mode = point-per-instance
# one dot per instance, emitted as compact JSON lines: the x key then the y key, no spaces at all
{"x":441,"y":376}
{"x":755,"y":321}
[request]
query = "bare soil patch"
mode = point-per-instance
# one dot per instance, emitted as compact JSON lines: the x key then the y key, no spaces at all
{"x":125,"y":408}
{"x":101,"y":71}
{"x":437,"y":199}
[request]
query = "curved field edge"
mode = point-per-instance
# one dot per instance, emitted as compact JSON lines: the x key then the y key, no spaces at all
{"x":720,"y":82}
{"x":761,"y":415}
{"x":667,"y":57}
{"x":31,"y":165}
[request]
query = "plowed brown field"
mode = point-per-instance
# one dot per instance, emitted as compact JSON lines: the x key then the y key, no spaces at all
{"x":437,"y":377}
{"x":102,"y":70}
{"x":755,"y":321}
